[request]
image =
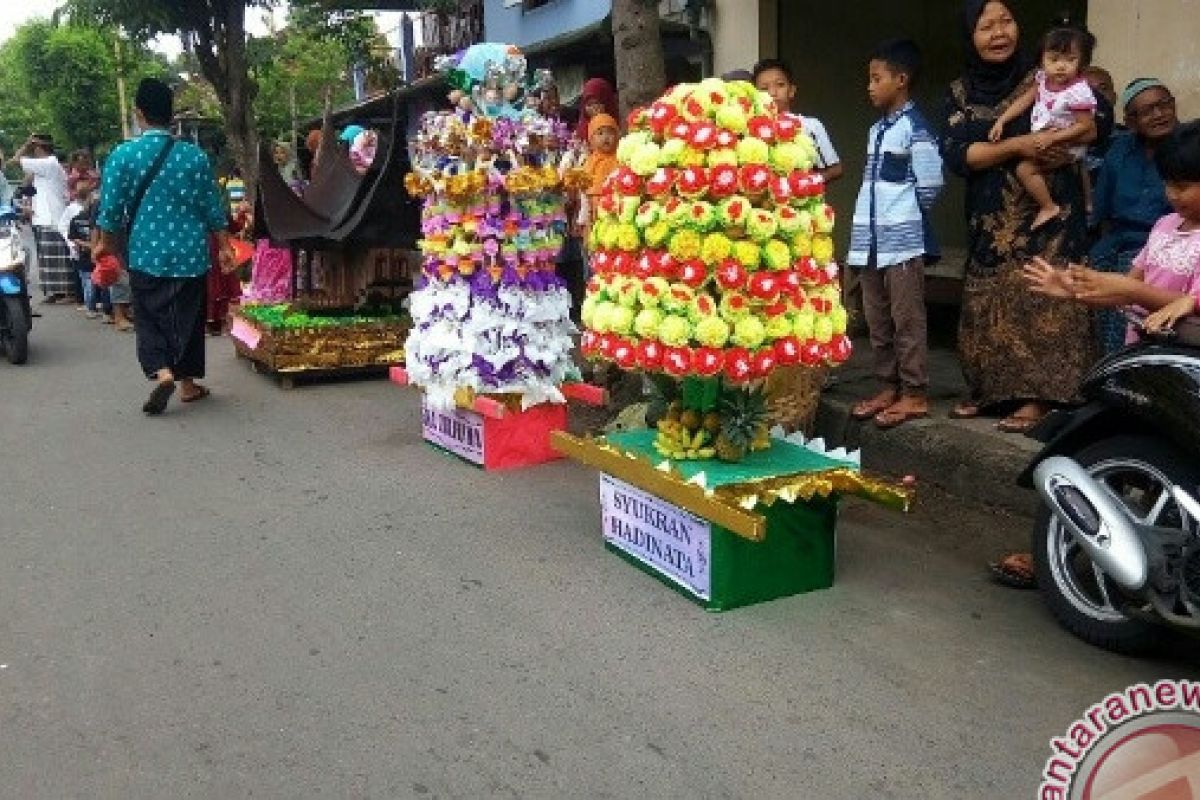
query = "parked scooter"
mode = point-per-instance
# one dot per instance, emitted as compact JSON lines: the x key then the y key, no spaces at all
{"x":1116,"y":543}
{"x":16,"y":315}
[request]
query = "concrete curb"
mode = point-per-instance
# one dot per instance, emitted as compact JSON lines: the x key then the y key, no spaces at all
{"x":968,"y":459}
{"x":954,"y":457}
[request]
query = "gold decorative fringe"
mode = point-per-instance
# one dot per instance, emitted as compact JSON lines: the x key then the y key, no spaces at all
{"x":669,"y":485}
{"x":790,"y":488}
{"x":731,"y":505}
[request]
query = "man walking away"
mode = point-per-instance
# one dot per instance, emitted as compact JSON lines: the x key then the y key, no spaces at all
{"x":163,"y":195}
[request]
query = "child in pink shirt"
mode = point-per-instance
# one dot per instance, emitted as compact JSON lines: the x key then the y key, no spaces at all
{"x":1063,"y":112}
{"x":1165,"y":278}
{"x":1171,"y":261}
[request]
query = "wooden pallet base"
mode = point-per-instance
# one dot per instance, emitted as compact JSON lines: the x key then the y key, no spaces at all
{"x":293,"y":378}
{"x":316,"y":353}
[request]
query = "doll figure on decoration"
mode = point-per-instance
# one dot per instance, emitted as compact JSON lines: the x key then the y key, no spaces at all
{"x":485,"y":163}
{"x":362,"y":151}
{"x":531,"y":108}
{"x":462,"y":101}
{"x":489,"y":97}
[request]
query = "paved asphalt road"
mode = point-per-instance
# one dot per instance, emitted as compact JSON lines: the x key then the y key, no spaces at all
{"x":285,"y":594}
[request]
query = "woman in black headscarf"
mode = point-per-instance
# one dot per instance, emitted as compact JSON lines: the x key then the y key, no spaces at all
{"x":1021,"y":353}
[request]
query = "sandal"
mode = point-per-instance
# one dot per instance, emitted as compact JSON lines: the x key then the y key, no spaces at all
{"x":156,"y":403}
{"x":1017,"y":423}
{"x":867,"y":409}
{"x":895,"y":415}
{"x":1014,"y":571}
{"x":966,"y":410}
{"x":201,"y":393}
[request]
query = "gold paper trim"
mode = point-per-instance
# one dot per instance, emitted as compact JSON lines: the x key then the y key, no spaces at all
{"x":790,"y":488}
{"x":667,"y":484}
{"x":464,"y":397}
{"x":731,"y":505}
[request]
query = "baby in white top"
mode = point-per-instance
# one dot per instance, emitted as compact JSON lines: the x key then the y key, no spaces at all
{"x":1063,"y":112}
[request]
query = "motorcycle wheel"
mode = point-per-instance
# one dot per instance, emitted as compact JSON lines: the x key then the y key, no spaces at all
{"x":1139,"y":471}
{"x":16,"y":338}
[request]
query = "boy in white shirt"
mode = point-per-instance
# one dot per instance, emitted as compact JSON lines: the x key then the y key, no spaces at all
{"x":774,"y":76}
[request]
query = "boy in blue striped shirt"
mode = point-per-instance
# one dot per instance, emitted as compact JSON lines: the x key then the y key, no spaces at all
{"x":890,"y":240}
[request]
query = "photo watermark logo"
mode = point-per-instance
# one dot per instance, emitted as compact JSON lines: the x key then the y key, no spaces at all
{"x":1142,"y":743}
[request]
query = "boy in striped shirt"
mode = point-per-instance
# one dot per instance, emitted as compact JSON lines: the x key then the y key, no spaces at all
{"x":890,"y":240}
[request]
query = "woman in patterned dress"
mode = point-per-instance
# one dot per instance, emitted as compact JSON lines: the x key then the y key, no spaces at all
{"x":1020,"y":353}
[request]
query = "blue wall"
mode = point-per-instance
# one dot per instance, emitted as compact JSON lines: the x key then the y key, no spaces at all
{"x":515,"y":25}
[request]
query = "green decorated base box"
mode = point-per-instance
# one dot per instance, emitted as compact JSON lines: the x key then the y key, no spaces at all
{"x":725,"y":535}
{"x":713,"y":565}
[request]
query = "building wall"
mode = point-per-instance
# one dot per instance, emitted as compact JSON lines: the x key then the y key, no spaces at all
{"x":828,"y":47}
{"x":735,"y":27}
{"x":1151,"y":38}
{"x":508,"y":21}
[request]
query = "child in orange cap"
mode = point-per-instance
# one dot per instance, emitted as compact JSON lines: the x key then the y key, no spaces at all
{"x":599,"y":164}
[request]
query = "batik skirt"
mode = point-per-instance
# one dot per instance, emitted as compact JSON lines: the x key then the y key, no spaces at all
{"x":56,"y":271}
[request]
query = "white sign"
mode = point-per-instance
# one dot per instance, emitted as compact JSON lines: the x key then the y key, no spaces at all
{"x":663,"y":536}
{"x":460,"y":432}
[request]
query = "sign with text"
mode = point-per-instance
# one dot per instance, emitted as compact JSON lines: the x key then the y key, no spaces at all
{"x":663,"y":536}
{"x":459,"y":431}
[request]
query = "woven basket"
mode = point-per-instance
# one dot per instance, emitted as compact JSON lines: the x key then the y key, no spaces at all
{"x":793,"y":394}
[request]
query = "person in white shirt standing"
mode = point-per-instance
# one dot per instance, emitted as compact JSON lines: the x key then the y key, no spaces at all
{"x":774,"y":76}
{"x":56,"y":276}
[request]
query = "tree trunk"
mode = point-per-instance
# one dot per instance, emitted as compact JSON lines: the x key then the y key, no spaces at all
{"x":122,"y":102}
{"x":221,"y":52}
{"x":637,"y":43}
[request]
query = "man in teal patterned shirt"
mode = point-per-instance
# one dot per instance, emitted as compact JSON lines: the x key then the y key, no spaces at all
{"x":168,"y":254}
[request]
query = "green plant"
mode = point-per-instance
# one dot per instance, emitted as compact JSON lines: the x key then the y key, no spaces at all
{"x":743,"y":414}
{"x":664,"y":391}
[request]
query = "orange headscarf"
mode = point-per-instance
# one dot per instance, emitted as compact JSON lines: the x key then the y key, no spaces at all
{"x":600,"y":165}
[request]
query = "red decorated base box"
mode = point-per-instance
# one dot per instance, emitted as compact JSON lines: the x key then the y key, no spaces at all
{"x":505,"y":442}
{"x":492,"y":436}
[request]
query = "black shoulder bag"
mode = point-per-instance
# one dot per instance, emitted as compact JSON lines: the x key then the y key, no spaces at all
{"x":143,"y":187}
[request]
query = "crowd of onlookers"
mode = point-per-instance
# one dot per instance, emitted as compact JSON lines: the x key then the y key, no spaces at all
{"x":1082,"y":209}
{"x":1060,"y":171}
{"x":1070,"y":194}
{"x":59,"y":203}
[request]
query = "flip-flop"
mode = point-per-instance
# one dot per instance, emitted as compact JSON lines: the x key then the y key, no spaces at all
{"x":889,"y":418}
{"x":867,"y":409}
{"x":1017,"y":424}
{"x":964,"y":411}
{"x":202,"y":393}
{"x":1006,"y":575}
{"x":156,"y":403}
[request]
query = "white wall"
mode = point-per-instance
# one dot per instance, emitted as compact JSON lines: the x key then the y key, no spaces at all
{"x":1151,"y":39}
{"x":735,"y":34}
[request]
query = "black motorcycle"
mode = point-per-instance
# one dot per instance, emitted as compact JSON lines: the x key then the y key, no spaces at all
{"x":16,"y":315}
{"x":1116,"y":543}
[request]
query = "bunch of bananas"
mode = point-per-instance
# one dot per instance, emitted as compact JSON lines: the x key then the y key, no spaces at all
{"x":675,"y":441}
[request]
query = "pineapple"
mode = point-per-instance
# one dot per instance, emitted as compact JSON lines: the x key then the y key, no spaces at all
{"x":762,"y":438}
{"x":743,"y":413}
